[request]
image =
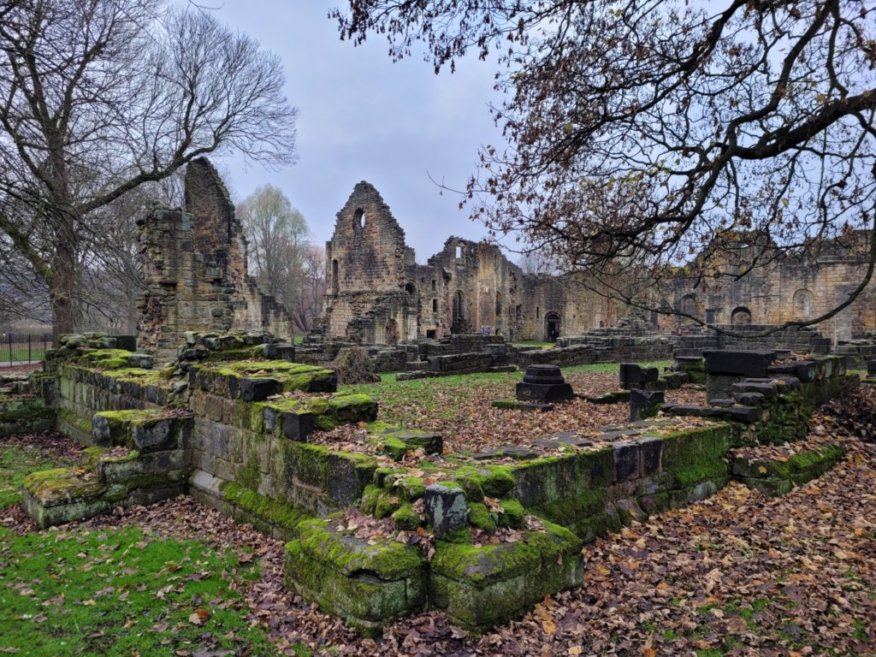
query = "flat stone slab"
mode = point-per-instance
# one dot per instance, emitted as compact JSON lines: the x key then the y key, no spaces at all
{"x":739,"y":363}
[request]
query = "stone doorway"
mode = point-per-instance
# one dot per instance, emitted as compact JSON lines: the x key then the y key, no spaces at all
{"x":551,"y":326}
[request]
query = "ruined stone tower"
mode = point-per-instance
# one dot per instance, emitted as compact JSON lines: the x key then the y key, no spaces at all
{"x":195,"y":267}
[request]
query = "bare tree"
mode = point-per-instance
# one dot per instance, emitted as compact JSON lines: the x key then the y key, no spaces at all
{"x":641,"y":132}
{"x":313,"y":288}
{"x":98,"y":97}
{"x":282,"y":260}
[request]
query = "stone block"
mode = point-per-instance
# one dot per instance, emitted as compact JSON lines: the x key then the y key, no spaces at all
{"x":484,"y":586}
{"x":297,"y":425}
{"x":766,"y":389}
{"x":366,"y":585}
{"x":739,"y":363}
{"x":645,"y":403}
{"x":153,"y":436}
{"x":143,"y":361}
{"x":626,"y":461}
{"x":446,"y":508}
{"x":635,"y":376}
{"x":251,"y":390}
{"x":651,"y":456}
{"x":544,"y":393}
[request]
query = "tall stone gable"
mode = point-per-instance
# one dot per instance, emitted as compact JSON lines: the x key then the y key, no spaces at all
{"x":195,"y":269}
{"x":368,"y":298}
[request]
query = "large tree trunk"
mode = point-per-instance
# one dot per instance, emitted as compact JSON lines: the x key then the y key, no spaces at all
{"x":61,"y":288}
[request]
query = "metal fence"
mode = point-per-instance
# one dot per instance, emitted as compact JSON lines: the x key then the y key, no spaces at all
{"x":20,"y":348}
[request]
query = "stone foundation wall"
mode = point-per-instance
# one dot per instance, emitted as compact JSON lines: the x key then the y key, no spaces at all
{"x":239,"y":441}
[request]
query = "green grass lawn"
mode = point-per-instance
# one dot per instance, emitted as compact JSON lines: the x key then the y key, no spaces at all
{"x":117,"y":592}
{"x":533,"y":343}
{"x":15,"y":463}
{"x":19,"y":353}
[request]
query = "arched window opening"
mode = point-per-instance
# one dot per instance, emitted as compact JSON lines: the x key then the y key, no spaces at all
{"x":335,"y":284}
{"x":691,"y":308}
{"x":803,"y":301}
{"x":391,"y":332}
{"x":359,"y":220}
{"x":740,"y":316}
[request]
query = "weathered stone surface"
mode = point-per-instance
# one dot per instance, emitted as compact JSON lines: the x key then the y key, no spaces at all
{"x":258,"y":389}
{"x":446,"y":509}
{"x":626,"y":461}
{"x":645,"y":403}
{"x":651,"y":456}
{"x":154,"y":436}
{"x":636,"y":376}
{"x":739,"y":363}
{"x":297,"y":425}
{"x":545,"y":384}
{"x":368,"y":585}
{"x":481,"y":587}
{"x":190,"y":255}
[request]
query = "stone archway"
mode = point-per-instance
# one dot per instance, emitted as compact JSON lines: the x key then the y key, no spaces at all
{"x":551,"y":326}
{"x":741,"y":316}
{"x":457,"y":324}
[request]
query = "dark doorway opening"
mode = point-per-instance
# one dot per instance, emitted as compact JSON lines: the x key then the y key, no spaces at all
{"x":551,"y":327}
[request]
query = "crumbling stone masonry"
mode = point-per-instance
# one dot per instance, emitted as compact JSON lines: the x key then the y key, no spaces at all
{"x":195,"y":266}
{"x":377,"y":294}
{"x":232,"y":428}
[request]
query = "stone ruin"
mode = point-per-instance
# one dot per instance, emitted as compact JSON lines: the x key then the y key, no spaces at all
{"x":233,"y":418}
{"x":233,"y":427}
{"x":195,"y":269}
{"x":379,"y":295}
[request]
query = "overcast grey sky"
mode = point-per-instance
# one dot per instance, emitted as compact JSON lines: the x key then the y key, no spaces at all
{"x":361,"y":117}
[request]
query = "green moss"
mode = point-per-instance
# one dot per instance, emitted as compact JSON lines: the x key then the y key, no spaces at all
{"x":23,"y":410}
{"x":386,"y":559}
{"x":369,"y":498}
{"x":405,"y":518}
{"x":137,"y":416}
{"x":270,"y":510}
{"x":489,"y":480}
{"x":61,"y":485}
{"x":702,"y":471}
{"x":480,"y":517}
{"x":411,"y":488}
{"x":249,"y":476}
{"x":394,"y":447}
{"x":803,"y":461}
{"x":512,"y":514}
{"x":481,"y":565}
{"x":458,"y":536}
{"x":583,"y":513}
{"x":76,"y":421}
{"x":386,"y":505}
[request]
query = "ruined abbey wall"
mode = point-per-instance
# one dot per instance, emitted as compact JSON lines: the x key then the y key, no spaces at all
{"x":787,"y":289}
{"x":195,"y":268}
{"x":377,"y":293}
